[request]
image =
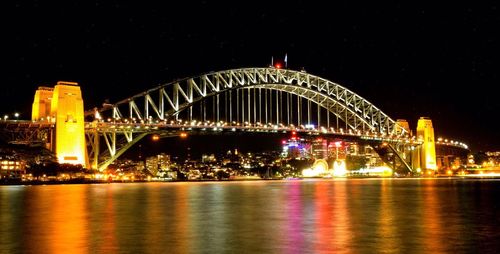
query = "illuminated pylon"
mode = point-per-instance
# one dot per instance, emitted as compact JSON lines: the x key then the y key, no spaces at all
{"x":66,"y":111}
{"x":425,"y":134}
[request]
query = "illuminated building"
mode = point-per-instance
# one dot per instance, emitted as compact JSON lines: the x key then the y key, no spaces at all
{"x":157,"y":163}
{"x":66,"y":111}
{"x":295,"y":148}
{"x":353,"y":149}
{"x":443,"y":162}
{"x":11,"y":165}
{"x":152,"y":165}
{"x":319,"y":148}
{"x":208,"y":158}
{"x":425,"y":133}
{"x":163,"y":161}
{"x":337,"y":150}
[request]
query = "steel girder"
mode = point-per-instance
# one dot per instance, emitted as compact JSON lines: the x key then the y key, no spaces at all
{"x":25,"y":132}
{"x":167,"y":100}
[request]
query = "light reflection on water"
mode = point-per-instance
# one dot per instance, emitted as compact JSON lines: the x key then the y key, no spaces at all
{"x":308,"y":216}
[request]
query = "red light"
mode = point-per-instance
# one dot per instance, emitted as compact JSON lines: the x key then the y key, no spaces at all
{"x":278,"y":65}
{"x":294,"y":132}
{"x":283,"y":142}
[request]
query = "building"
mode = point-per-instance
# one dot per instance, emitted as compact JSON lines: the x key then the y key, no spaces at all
{"x":337,"y":150}
{"x":295,"y":148}
{"x":10,"y":165}
{"x":319,"y":148}
{"x":160,"y":162}
{"x":205,"y":158}
{"x":152,"y":165}
{"x":163,"y":162}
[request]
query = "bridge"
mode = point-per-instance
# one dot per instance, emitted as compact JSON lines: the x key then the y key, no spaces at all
{"x":248,"y":100}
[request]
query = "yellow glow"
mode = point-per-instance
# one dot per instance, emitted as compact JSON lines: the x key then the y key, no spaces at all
{"x":339,"y":168}
{"x":319,"y":168}
{"x":320,"y":165}
{"x":41,"y":103}
{"x":425,"y":132}
{"x":449,"y":172}
{"x":380,"y":171}
{"x":387,"y":172}
{"x":309,"y":173}
{"x":67,"y":111}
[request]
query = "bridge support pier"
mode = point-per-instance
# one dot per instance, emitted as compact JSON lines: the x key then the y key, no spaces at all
{"x":66,"y":111}
{"x":425,"y":133}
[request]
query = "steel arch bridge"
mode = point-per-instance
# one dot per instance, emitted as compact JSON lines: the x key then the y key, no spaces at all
{"x":258,"y":99}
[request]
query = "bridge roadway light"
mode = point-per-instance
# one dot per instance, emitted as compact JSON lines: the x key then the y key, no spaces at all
{"x":5,"y":117}
{"x":16,"y":115}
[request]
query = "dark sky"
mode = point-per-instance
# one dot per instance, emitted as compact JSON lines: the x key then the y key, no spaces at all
{"x":410,"y":60}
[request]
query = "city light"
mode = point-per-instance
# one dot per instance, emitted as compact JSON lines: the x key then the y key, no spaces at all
{"x":308,"y":131}
{"x":339,"y":168}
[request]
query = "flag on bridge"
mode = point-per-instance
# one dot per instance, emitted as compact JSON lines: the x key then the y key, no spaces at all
{"x":286,"y":61}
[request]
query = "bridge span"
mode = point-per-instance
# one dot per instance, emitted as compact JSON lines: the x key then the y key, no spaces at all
{"x":266,"y":100}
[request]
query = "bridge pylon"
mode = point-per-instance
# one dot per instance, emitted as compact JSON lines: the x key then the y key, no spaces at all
{"x":66,"y":112}
{"x":427,"y":151}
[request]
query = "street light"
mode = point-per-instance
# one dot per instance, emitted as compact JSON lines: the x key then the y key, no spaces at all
{"x":16,"y":115}
{"x":5,"y":117}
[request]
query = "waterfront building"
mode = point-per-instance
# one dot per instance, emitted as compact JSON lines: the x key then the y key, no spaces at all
{"x":10,"y":165}
{"x":319,"y":148}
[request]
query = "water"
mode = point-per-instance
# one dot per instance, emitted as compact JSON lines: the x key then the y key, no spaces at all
{"x":308,"y":216}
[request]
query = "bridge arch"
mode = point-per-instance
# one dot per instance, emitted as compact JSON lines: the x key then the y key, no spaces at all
{"x":167,"y":101}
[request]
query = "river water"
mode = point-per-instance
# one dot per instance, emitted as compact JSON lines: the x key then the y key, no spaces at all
{"x":303,"y":216}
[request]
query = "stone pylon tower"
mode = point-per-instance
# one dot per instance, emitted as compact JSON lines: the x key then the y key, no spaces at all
{"x":63,"y":106}
{"x":42,"y":103}
{"x":425,"y":133}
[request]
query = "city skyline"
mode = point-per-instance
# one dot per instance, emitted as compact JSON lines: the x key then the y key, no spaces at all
{"x":409,"y":61}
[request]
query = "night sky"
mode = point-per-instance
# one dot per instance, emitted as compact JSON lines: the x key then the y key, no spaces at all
{"x":410,"y":60}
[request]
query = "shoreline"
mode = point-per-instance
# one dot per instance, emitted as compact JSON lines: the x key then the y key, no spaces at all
{"x":83,"y":181}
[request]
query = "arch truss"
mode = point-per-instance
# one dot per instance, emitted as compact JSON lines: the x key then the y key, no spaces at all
{"x":257,"y":95}
{"x":249,"y":97}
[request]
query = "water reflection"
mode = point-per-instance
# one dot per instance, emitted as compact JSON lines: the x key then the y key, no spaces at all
{"x":56,"y":221}
{"x":387,"y":237}
{"x":294,"y":219}
{"x":309,"y":216}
